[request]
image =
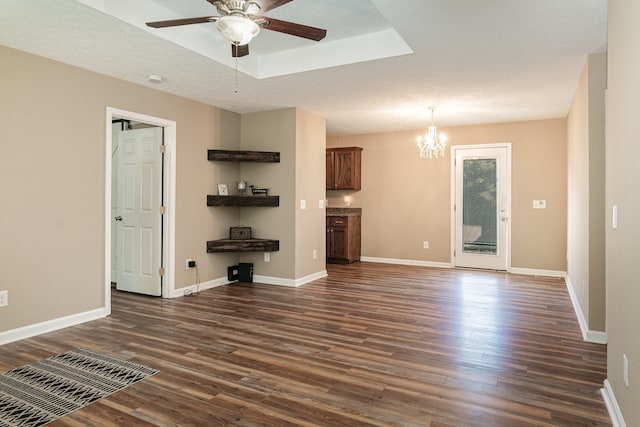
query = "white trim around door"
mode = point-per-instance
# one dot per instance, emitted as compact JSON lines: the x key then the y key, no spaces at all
{"x":169,"y":196}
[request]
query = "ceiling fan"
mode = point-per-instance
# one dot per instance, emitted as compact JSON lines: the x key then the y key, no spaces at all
{"x":240,"y":21}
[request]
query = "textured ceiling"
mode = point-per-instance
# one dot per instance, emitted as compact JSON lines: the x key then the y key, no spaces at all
{"x":383,"y":63}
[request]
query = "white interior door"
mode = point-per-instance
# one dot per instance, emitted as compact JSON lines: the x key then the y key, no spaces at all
{"x":139,"y":221}
{"x":116,"y":128}
{"x":482,"y":205}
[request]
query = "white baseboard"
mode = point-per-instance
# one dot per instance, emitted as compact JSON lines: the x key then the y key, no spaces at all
{"x":197,"y":288}
{"x":50,"y":326}
{"x":596,"y":337}
{"x":617,"y":420}
{"x":405,"y":262}
{"x":536,"y":272}
{"x":279,"y":281}
{"x":267,"y":280}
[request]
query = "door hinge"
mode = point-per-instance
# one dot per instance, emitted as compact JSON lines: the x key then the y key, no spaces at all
{"x":161,"y":271}
{"x":162,"y":210}
{"x":163,"y":149}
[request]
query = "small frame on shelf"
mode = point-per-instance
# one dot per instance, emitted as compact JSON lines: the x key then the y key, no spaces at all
{"x":223,"y":190}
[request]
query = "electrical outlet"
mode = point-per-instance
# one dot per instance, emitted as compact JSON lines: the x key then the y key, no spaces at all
{"x":625,"y":370}
{"x":4,"y":298}
{"x":267,"y":257}
{"x":189,"y":263}
{"x":425,"y":244}
{"x":314,"y":254}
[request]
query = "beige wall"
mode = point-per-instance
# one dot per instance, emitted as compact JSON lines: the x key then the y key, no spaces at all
{"x":622,"y":178}
{"x":406,"y":200}
{"x":300,"y":138}
{"x":52,"y":181}
{"x":310,"y":186}
{"x":585,"y":237}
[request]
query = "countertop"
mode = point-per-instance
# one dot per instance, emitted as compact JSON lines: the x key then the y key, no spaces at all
{"x":344,"y":211}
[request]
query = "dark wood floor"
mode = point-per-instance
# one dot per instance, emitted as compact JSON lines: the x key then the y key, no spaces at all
{"x":371,"y":345}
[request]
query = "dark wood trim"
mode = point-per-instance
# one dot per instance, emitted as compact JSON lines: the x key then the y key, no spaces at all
{"x":250,"y":245}
{"x":251,"y":201}
{"x":244,"y":156}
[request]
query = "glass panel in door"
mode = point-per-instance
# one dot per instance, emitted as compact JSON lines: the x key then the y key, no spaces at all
{"x":479,"y":204}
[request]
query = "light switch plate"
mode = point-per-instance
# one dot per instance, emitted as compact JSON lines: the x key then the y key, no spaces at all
{"x":303,"y":204}
{"x":4,"y":298}
{"x":539,"y":204}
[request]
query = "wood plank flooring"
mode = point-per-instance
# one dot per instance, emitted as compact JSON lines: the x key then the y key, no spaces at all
{"x":370,"y":345}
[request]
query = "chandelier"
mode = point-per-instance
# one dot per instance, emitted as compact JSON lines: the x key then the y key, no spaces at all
{"x":431,"y":144}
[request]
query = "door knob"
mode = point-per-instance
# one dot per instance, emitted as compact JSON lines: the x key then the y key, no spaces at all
{"x":117,"y":218}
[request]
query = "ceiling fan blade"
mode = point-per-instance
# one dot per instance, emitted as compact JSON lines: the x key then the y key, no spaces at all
{"x":183,"y":21}
{"x":266,"y":5}
{"x":311,"y":33}
{"x":239,"y":51}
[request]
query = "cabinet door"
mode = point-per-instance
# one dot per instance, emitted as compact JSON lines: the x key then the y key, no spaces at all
{"x":328,"y":241}
{"x":344,"y":173}
{"x":344,"y":168}
{"x":338,"y":246}
{"x":330,"y":170}
{"x":339,"y":243}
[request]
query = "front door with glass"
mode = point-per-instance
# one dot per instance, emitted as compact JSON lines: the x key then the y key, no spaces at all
{"x":481,"y":207}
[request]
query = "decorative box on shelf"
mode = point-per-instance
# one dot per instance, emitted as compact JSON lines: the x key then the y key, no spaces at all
{"x":240,"y":233}
{"x":259,"y":191}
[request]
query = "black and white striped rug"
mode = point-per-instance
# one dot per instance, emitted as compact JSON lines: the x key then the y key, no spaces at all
{"x":41,"y":392}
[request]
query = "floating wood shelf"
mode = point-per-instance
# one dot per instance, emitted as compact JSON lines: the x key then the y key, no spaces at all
{"x":250,"y":245}
{"x":244,"y":156}
{"x":254,"y":201}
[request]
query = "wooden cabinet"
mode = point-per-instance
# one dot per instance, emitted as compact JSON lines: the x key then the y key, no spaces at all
{"x":344,"y":167}
{"x":343,"y":239}
{"x":249,"y":245}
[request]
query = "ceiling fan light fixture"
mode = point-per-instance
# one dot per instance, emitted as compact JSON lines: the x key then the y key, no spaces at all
{"x":237,"y":29}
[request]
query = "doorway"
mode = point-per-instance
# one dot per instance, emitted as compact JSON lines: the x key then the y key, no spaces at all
{"x":165,"y":174}
{"x":481,"y":205}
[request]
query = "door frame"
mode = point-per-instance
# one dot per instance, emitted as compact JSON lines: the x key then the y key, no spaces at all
{"x":454,"y":149}
{"x":169,"y":196}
